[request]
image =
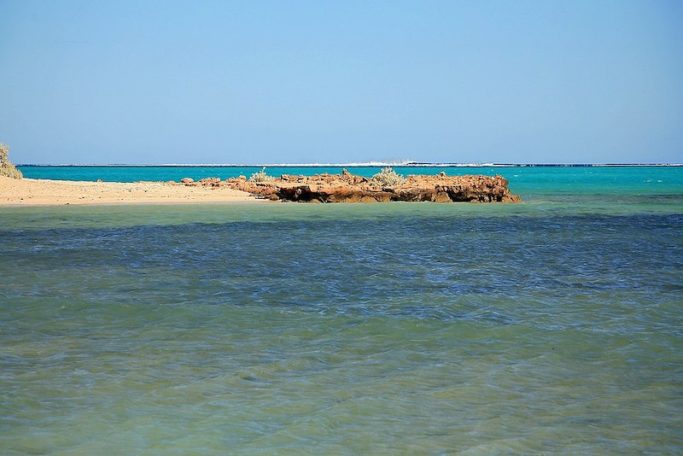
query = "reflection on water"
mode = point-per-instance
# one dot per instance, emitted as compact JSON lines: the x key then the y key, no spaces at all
{"x":327,"y":329}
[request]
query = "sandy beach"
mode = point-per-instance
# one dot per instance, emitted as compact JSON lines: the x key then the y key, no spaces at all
{"x":43,"y":192}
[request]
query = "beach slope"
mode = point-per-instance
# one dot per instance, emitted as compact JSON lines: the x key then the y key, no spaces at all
{"x":39,"y":192}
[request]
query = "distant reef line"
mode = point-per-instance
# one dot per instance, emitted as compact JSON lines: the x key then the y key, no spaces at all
{"x":357,"y":165}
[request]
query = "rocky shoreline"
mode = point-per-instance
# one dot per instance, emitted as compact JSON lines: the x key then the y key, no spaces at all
{"x":350,"y":188}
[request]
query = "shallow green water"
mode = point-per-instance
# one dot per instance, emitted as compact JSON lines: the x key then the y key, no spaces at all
{"x":553,"y":326}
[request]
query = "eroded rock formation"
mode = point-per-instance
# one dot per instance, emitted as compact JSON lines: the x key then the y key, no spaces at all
{"x":349,"y":188}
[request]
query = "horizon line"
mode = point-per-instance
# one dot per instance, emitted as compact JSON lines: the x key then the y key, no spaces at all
{"x":350,"y":165}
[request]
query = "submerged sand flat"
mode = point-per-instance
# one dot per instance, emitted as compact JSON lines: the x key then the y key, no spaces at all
{"x":26,"y":192}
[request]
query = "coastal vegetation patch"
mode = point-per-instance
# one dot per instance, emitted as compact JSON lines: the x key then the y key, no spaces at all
{"x":7,"y":168}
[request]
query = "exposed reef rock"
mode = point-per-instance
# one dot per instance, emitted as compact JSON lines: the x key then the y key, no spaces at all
{"x":349,"y":188}
{"x":7,"y":169}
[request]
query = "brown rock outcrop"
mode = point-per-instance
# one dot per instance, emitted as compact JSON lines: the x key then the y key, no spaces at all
{"x":349,"y":188}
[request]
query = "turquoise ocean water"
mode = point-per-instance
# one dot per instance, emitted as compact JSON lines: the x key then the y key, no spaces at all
{"x":530,"y":181}
{"x":553,"y":326}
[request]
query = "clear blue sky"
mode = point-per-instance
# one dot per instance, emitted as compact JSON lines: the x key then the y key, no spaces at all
{"x":322,"y":81}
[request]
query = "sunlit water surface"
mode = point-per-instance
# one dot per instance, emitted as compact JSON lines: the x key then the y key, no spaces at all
{"x":551,"y":326}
